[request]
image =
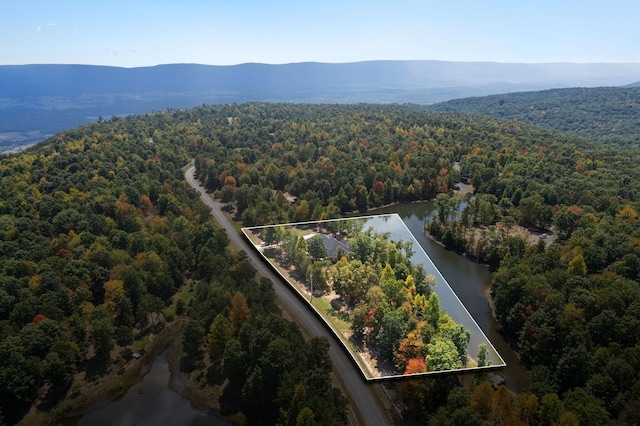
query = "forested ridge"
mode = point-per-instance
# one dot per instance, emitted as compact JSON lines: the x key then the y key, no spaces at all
{"x":43,"y":99}
{"x":99,"y":232}
{"x":607,"y":114}
{"x":102,"y":245}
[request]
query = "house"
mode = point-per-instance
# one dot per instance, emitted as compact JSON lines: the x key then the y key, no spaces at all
{"x":289,"y":197}
{"x":331,"y":243}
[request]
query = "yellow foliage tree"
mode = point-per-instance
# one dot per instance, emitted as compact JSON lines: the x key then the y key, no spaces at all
{"x":113,"y":291}
{"x":577,"y":266}
{"x":34,"y":284}
{"x":302,"y":211}
{"x":239,"y":310}
{"x":482,"y":400}
{"x":628,"y":214}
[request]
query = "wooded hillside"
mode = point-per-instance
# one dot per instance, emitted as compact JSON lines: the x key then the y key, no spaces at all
{"x":607,"y":114}
{"x":99,"y":232}
{"x":103,"y":244}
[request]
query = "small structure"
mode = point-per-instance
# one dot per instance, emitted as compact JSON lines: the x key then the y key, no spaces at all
{"x":290,"y":198}
{"x":333,"y":244}
{"x":287,"y":196}
{"x":136,"y":355}
{"x":497,"y":379}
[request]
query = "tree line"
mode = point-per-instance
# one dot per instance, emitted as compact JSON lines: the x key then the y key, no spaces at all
{"x":606,"y":114}
{"x":569,"y":304}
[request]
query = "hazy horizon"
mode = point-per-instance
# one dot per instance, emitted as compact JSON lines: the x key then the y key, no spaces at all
{"x":331,"y":63}
{"x":145,"y":33}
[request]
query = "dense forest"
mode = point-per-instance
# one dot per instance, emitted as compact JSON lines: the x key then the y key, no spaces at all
{"x":393,"y":314}
{"x":103,"y":246}
{"x":607,"y":114}
{"x":101,"y":240}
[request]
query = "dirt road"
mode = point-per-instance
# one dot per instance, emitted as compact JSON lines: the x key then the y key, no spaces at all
{"x":359,"y":391}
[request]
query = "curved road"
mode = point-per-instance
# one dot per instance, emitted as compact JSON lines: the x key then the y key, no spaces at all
{"x":359,"y":391}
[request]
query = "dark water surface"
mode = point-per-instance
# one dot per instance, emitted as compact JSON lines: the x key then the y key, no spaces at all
{"x":469,"y":280}
{"x":151,"y":402}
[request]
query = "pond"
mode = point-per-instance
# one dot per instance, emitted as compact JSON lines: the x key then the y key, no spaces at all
{"x":469,"y":280}
{"x":151,"y":402}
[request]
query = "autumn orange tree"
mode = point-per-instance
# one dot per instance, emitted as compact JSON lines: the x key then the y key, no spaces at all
{"x":394,"y":308}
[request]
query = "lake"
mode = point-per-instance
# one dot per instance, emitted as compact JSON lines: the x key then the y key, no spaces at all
{"x":469,"y":280}
{"x":151,"y":402}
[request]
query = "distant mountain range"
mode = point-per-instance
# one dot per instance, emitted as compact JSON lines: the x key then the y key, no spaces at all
{"x":36,"y":100}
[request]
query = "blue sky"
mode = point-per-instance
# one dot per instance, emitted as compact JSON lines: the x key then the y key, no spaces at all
{"x":142,"y":33}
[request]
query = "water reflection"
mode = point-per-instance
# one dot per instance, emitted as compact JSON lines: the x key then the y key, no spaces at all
{"x":449,"y":301}
{"x":469,"y":280}
{"x":151,"y":402}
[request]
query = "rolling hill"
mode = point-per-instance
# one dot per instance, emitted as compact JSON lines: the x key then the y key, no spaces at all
{"x":37,"y":100}
{"x":607,"y":114}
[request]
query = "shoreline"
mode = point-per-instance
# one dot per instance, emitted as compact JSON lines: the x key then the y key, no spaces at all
{"x":487,"y":291}
{"x":107,"y":388}
{"x":204,"y":398}
{"x":492,"y":305}
{"x":487,"y":295}
{"x":465,"y":254}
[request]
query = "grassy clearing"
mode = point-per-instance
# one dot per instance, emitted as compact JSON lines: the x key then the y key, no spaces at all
{"x":341,"y":327}
{"x":304,"y":232}
{"x":186,"y":294}
{"x":335,"y":319}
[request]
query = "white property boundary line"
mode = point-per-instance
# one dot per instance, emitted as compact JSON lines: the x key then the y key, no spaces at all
{"x":246,"y":230}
